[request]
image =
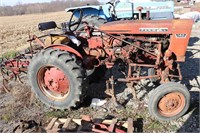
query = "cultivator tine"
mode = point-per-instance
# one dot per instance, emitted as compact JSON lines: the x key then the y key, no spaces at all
{"x":19,"y":79}
{"x":66,"y":124}
{"x":112,"y":125}
{"x":4,"y":86}
{"x":111,"y":91}
{"x":131,"y":85}
{"x":31,"y":47}
{"x":5,"y":81}
{"x":51,"y":124}
{"x":10,"y":69}
{"x":130,"y":125}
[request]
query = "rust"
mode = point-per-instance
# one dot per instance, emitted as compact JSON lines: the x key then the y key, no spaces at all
{"x":131,"y":85}
{"x":159,"y":54}
{"x":5,"y":82}
{"x":138,"y":78}
{"x":179,"y":72}
{"x":124,"y":41}
{"x":140,"y":12}
{"x":87,"y":124}
{"x":110,"y":90}
{"x":171,"y":104}
{"x":53,"y":82}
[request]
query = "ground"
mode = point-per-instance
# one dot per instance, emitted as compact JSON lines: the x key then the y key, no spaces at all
{"x":15,"y":30}
{"x":18,"y":105}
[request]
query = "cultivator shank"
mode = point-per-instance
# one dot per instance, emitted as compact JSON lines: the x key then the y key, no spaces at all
{"x":12,"y":69}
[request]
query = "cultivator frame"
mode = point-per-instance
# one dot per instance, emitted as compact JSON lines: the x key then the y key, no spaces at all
{"x":10,"y":69}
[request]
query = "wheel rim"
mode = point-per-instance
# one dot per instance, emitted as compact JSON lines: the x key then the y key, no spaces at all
{"x":53,"y":82}
{"x":171,"y":104}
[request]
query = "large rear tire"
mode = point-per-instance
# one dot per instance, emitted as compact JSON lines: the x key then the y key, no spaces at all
{"x":56,"y":78}
{"x":169,"y":101}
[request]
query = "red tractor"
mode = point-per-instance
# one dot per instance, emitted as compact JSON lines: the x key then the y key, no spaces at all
{"x":148,"y":49}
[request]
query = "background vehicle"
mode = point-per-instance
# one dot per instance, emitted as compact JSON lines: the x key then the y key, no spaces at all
{"x":119,"y":9}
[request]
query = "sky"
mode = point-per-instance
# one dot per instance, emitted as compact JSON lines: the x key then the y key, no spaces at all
{"x":14,"y":2}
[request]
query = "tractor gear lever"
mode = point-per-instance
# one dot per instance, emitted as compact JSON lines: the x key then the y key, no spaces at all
{"x":75,"y":40}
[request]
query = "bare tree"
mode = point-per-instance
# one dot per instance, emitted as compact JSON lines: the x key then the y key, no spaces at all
{"x":55,"y":5}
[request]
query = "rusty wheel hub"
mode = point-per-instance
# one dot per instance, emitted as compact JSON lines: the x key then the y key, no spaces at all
{"x":56,"y":81}
{"x":171,"y":104}
{"x":53,"y":82}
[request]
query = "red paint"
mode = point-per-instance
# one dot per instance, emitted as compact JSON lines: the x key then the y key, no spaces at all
{"x":95,"y":42}
{"x":66,"y":48}
{"x":56,"y":81}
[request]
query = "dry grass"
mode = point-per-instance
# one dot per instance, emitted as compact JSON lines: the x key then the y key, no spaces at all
{"x":14,"y":30}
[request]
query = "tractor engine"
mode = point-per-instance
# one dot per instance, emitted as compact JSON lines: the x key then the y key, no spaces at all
{"x":105,"y":50}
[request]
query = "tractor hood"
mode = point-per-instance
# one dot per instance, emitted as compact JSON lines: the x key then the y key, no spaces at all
{"x":179,"y":31}
{"x":138,"y":27}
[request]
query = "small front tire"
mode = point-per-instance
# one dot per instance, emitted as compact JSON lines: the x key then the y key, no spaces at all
{"x":169,"y":101}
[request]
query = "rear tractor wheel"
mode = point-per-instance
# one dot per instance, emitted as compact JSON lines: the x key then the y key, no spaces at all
{"x":169,"y":101}
{"x":56,"y":78}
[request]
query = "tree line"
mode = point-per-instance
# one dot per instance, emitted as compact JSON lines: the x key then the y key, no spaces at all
{"x":53,"y":6}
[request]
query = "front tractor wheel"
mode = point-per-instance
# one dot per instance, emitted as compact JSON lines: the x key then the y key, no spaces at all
{"x":56,"y":78}
{"x":169,"y":101}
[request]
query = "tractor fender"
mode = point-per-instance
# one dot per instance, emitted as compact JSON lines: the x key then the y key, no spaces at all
{"x":65,"y":48}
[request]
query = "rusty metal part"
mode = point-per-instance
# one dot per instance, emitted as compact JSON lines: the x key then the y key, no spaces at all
{"x":28,"y":127}
{"x":131,"y":85}
{"x":148,"y":15}
{"x":132,"y":77}
{"x":130,"y":126}
{"x":179,"y":72}
{"x":165,"y":75}
{"x":171,"y":104}
{"x":56,"y":80}
{"x":53,"y":82}
{"x":111,"y":91}
{"x":126,"y":42}
{"x":159,"y":54}
{"x":140,"y":12}
{"x":86,"y":124}
{"x":37,"y":39}
{"x":12,"y":68}
{"x":5,"y":82}
{"x":137,"y":79}
{"x":112,"y":125}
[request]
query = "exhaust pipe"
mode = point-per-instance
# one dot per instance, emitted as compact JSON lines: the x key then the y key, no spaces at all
{"x":140,"y":8}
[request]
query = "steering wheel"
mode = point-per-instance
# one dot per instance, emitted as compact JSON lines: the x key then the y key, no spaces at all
{"x":77,"y":22}
{"x":112,"y":6}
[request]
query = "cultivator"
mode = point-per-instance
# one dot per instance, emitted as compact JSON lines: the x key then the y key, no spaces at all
{"x":142,"y":49}
{"x":85,"y":124}
{"x":11,"y":69}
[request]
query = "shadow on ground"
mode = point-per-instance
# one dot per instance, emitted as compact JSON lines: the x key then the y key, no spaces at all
{"x":191,"y":78}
